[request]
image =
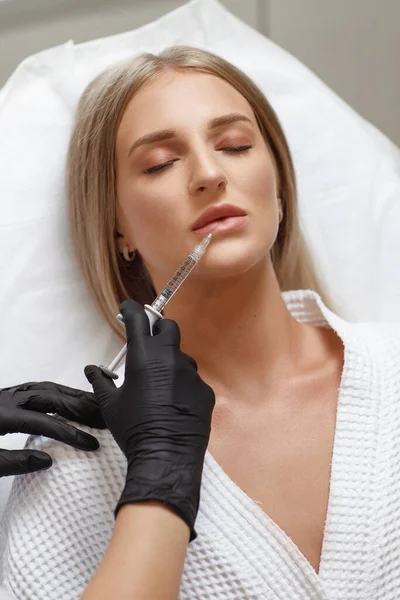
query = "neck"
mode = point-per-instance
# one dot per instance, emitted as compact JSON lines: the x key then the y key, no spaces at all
{"x":239,"y":331}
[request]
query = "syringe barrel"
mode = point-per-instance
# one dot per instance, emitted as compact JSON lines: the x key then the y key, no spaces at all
{"x":174,"y":283}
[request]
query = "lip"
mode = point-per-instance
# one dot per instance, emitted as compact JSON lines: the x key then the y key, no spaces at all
{"x":218,"y":211}
{"x":227,"y":224}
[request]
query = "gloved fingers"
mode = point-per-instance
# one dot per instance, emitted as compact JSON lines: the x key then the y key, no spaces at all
{"x":135,"y":319}
{"x":192,"y":361}
{"x":42,"y":386}
{"x":27,"y":421}
{"x":18,"y":462}
{"x":167,"y":330}
{"x":102,"y":385}
{"x":20,"y":387}
{"x":81,"y":408}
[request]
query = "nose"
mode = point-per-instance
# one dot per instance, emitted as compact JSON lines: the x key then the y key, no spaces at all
{"x":207,"y":175}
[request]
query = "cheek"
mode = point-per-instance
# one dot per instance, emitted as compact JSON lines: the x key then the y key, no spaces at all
{"x":147,"y":217}
{"x":258,"y":181}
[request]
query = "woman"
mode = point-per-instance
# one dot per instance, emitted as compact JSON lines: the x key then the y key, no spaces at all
{"x":292,"y":392}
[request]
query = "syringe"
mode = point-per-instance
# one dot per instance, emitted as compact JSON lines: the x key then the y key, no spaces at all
{"x":154,"y":311}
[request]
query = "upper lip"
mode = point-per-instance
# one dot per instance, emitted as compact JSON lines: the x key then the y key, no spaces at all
{"x":217,"y":211}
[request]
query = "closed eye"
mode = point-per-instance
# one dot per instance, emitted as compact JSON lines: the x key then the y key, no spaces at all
{"x":171,"y":162}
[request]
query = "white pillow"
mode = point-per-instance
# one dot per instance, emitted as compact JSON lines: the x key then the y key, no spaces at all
{"x":348,"y":177}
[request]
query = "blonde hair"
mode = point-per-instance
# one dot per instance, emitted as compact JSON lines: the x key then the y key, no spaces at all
{"x":91,"y":180}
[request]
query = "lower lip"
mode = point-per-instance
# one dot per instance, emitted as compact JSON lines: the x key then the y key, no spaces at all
{"x":227,"y":224}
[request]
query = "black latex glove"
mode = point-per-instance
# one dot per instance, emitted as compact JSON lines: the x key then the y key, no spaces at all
{"x":160,"y":416}
{"x":23,"y":408}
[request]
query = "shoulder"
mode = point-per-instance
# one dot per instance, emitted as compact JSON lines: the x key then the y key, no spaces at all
{"x":375,"y":352}
{"x":62,"y":516}
{"x":382,"y":339}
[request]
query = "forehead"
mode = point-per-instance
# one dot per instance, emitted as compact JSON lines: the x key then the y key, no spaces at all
{"x":177,"y":100}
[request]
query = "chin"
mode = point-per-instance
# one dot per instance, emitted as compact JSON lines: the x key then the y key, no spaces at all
{"x":231,"y":260}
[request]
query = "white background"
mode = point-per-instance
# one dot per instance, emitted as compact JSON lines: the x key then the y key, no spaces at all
{"x":353,"y":45}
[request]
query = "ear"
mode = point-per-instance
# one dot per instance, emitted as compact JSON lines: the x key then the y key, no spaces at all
{"x":120,"y":242}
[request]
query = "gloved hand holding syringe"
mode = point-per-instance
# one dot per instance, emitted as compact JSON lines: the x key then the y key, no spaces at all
{"x":154,"y":311}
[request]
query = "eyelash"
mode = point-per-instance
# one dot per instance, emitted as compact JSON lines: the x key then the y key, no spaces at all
{"x":169,"y":163}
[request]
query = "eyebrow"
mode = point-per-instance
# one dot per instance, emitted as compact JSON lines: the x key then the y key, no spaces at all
{"x":166,"y":134}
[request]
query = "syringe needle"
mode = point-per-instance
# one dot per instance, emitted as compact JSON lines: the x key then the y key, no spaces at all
{"x":153,"y":310}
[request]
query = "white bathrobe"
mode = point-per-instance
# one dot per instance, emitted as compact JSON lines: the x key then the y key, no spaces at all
{"x":59,"y":521}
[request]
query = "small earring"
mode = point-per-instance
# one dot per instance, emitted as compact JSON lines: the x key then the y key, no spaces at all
{"x":127,"y":254}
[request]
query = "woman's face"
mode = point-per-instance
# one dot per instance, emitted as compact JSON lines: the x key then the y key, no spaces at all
{"x":157,"y":209}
